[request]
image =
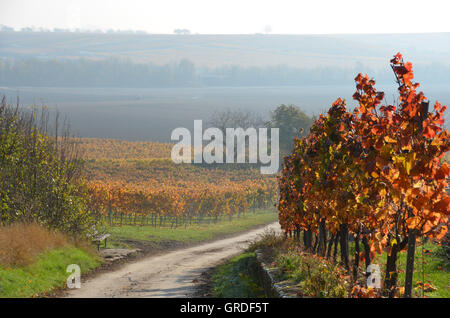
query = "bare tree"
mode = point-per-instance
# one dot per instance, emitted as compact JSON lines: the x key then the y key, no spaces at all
{"x":235,"y":119}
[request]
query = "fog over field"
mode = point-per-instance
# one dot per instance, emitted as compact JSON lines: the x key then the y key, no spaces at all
{"x":142,"y":86}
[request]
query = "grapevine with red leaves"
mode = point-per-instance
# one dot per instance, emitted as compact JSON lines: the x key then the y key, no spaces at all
{"x":376,"y":173}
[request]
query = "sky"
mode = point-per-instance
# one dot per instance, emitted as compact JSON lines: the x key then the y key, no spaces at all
{"x":232,"y":16}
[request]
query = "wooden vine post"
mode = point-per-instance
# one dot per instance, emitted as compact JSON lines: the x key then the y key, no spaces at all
{"x":412,"y":233}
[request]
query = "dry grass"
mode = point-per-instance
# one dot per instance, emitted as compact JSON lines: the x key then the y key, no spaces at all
{"x":20,"y":243}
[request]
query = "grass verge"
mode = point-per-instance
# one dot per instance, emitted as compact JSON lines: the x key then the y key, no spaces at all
{"x":192,"y":233}
{"x":314,"y":276}
{"x":46,"y":274}
{"x":318,"y":277}
{"x":435,"y":270}
{"x":236,"y":278}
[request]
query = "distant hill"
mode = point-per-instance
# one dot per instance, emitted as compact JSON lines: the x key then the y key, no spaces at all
{"x":243,"y":50}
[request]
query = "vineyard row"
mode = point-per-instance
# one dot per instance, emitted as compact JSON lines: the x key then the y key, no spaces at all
{"x":376,"y":174}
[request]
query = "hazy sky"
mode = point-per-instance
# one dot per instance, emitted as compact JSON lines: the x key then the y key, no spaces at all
{"x":232,"y":16}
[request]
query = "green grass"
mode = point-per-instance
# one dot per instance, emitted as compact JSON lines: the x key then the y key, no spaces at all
{"x":192,"y":233}
{"x":436,"y":268}
{"x":46,"y":274}
{"x":236,"y":278}
{"x":315,"y":277}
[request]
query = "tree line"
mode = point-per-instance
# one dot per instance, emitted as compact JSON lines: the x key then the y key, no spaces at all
{"x":117,"y":72}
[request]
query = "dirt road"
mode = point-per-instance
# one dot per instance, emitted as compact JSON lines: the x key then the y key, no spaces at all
{"x":166,"y":275}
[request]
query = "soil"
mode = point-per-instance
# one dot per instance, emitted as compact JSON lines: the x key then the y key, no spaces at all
{"x":204,"y":286}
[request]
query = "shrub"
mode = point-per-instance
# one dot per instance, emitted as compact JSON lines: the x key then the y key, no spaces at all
{"x":40,"y":175}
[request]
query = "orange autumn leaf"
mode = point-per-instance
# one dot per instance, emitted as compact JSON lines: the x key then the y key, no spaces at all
{"x":413,"y":222}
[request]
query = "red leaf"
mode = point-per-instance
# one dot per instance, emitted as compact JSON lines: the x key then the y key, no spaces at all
{"x":428,"y":131}
{"x":443,"y":171}
{"x":377,"y":130}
